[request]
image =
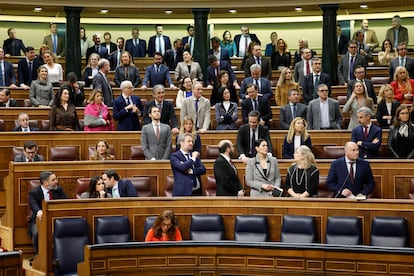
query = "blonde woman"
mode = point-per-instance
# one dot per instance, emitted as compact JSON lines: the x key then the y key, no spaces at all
{"x":403,"y":86}
{"x":302,"y":179}
{"x":187,"y":126}
{"x":55,"y":71}
{"x":297,"y":135}
{"x":126,"y":71}
{"x":281,"y":56}
{"x":285,"y":83}
{"x":358,"y":99}
{"x":96,"y":115}
{"x":91,"y":69}
{"x":386,"y":106}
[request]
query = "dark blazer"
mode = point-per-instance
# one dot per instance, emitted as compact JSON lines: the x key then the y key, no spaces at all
{"x":265,"y":64}
{"x":113,"y":59}
{"x":409,"y":65}
{"x":288,"y":148}
{"x":367,"y":149}
{"x":9,"y":76}
{"x":383,"y":111}
{"x":211,"y":79}
{"x":102,"y":51}
{"x":169,"y":58}
{"x":343,"y":67}
{"x":237,"y":38}
{"x":100,"y":82}
{"x":22,"y":158}
{"x":183,"y":181}
{"x":399,"y":148}
{"x":286,"y":115}
{"x":243,"y":139}
{"x":127,"y":120}
{"x":19,"y":129}
{"x":264,"y":109}
{"x":338,"y":178}
{"x":370,"y":89}
{"x":342,"y":45}
{"x":151,"y":44}
{"x":23,"y":71}
{"x":308,"y":85}
{"x":133,"y":75}
{"x":224,"y":54}
{"x":265,"y":88}
{"x":16,"y":50}
{"x":86,"y":73}
{"x":298,"y":57}
{"x":167,"y":114}
{"x":112,"y":47}
{"x":227,"y":180}
{"x":125,"y":189}
{"x":136,"y":51}
{"x":75,"y":98}
{"x":153,"y":78}
{"x":12,"y":103}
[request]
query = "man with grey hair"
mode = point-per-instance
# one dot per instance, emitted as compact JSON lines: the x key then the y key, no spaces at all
{"x":198,"y":108}
{"x":259,"y":60}
{"x":397,"y":34}
{"x":367,"y":136}
{"x":100,"y":81}
{"x":264,"y":87}
{"x":243,"y":40}
{"x":292,"y":110}
{"x":97,"y":48}
{"x":127,"y":108}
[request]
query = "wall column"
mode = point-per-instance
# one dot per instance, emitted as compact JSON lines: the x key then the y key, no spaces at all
{"x":201,"y":45}
{"x":73,"y":52}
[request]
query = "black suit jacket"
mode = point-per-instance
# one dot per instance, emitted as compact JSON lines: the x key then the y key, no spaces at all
{"x":22,"y":158}
{"x":370,"y":89}
{"x":167,"y":114}
{"x":12,"y":103}
{"x":383,"y":111}
{"x":211,"y":79}
{"x":342,"y":45}
{"x":308,"y":86}
{"x":100,"y":82}
{"x":23,"y":71}
{"x":102,"y":52}
{"x":169,"y":58}
{"x":16,"y":50}
{"x":19,"y":129}
{"x":266,"y":67}
{"x":264,"y":109}
{"x":136,"y":51}
{"x":253,"y":37}
{"x":112,"y":47}
{"x":243,"y":139}
{"x":227,"y":180}
{"x":113,"y":59}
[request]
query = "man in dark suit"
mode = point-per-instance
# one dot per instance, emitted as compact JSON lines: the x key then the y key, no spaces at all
{"x":402,"y":60}
{"x":341,"y":40}
{"x":213,"y":71}
{"x":166,"y":108}
{"x":350,"y":176}
{"x":258,"y":59}
{"x":157,"y":74}
{"x":135,"y":46}
{"x":27,"y":68}
{"x":127,"y":108}
{"x":363,"y":49}
{"x":263,"y":84}
{"x":348,"y":62}
{"x":310,"y":82}
{"x":116,"y":186}
{"x":5,"y":99}
{"x":159,"y":42}
{"x":257,"y":103}
{"x":250,"y":132}
{"x":367,"y":136}
{"x":29,"y":153}
{"x":188,"y":41}
{"x":108,"y":44}
{"x":76,"y":92}
{"x":115,"y":56}
{"x":225,"y":172}
{"x":24,"y":123}
{"x":359,"y":73}
{"x":221,"y":53}
{"x":8,"y":78}
{"x":292,"y":110}
{"x":97,"y":48}
{"x":101,"y":82}
{"x":187,"y":168}
{"x":243,"y":40}
{"x":174,"y":55}
{"x":55,"y":42}
{"x":13,"y":46}
{"x":48,"y":190}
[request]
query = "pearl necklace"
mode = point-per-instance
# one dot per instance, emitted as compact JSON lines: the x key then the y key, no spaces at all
{"x":299,"y":182}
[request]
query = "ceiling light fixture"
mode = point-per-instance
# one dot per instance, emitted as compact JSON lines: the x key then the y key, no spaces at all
{"x":104,"y":11}
{"x":37,"y":9}
{"x":168,"y":11}
{"x":232,"y":11}
{"x":298,"y":9}
{"x":363,"y":6}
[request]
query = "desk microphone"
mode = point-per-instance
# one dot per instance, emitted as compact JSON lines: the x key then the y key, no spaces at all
{"x":342,"y":186}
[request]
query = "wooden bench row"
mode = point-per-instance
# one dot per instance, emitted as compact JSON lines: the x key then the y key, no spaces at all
{"x":11,"y":263}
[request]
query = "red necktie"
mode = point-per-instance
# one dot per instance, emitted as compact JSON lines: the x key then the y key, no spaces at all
{"x":365,"y":132}
{"x":351,"y":172}
{"x":307,"y":68}
{"x":50,"y":194}
{"x":157,"y":132}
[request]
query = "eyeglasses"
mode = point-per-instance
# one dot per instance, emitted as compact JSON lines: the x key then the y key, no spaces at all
{"x":404,"y":113}
{"x":166,"y":224}
{"x":352,"y":47}
{"x":323,"y":90}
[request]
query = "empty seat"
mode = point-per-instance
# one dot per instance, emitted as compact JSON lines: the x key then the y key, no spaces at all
{"x":323,"y":190}
{"x":389,"y":231}
{"x":211,"y":186}
{"x":298,"y":229}
{"x":81,"y":186}
{"x":333,"y":152}
{"x":411,"y":189}
{"x":149,"y":222}
{"x":69,"y":238}
{"x":112,"y":229}
{"x":67,"y":153}
{"x":169,"y":186}
{"x":212,"y":151}
{"x":27,"y":103}
{"x":343,"y":230}
{"x":342,"y":100}
{"x":142,"y":184}
{"x":207,"y":227}
{"x":380,"y":80}
{"x":251,"y":229}
{"x":44,"y":125}
{"x":137,"y":153}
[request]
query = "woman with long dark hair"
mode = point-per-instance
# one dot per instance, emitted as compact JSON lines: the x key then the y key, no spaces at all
{"x":165,"y":228}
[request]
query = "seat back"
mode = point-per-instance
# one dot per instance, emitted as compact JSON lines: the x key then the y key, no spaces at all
{"x":142,"y":184}
{"x":342,"y":100}
{"x":149,"y":222}
{"x":112,"y":229}
{"x":44,"y":125}
{"x":323,"y":190}
{"x":169,"y":186}
{"x":66,"y":153}
{"x":298,"y":229}
{"x":69,"y":238}
{"x":251,"y":229}
{"x":380,"y":80}
{"x":333,"y":151}
{"x":207,"y":227}
{"x":389,"y":231}
{"x":137,"y":153}
{"x":411,"y":189}
{"x":343,"y":230}
{"x":212,"y":151}
{"x":27,"y":103}
{"x":81,"y":186}
{"x":16,"y":151}
{"x":1,"y":124}
{"x":210,"y":186}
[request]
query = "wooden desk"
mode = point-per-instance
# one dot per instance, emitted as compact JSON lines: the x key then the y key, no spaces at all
{"x":11,"y":263}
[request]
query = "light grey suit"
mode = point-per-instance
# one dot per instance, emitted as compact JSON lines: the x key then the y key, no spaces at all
{"x":299,"y":70}
{"x":152,"y":148}
{"x":286,"y":115}
{"x":314,"y":114}
{"x":181,"y":71}
{"x":255,"y":176}
{"x":203,"y":114}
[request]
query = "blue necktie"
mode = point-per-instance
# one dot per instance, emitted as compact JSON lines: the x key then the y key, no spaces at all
{"x":54,"y":44}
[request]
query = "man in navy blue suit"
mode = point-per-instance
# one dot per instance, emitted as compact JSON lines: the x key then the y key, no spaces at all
{"x":157,"y":74}
{"x":115,"y":56}
{"x":7,"y":78}
{"x":187,"y":168}
{"x":243,"y":40}
{"x":135,"y":46}
{"x":220,"y":52}
{"x":127,"y":108}
{"x":174,"y":55}
{"x":13,"y":46}
{"x":27,"y":68}
{"x":350,"y":176}
{"x":188,"y":41}
{"x":213,"y":70}
{"x":311,"y":82}
{"x":258,"y":103}
{"x":359,"y":73}
{"x":263,"y":84}
{"x":367,"y":136}
{"x":116,"y":186}
{"x":159,"y":42}
{"x":97,"y":48}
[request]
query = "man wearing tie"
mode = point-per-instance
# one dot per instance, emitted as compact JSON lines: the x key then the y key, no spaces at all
{"x":157,"y":74}
{"x":27,"y":68}
{"x":213,"y":71}
{"x":402,"y":60}
{"x":49,"y":189}
{"x":115,"y":56}
{"x":263,"y":84}
{"x":7,"y":76}
{"x":292,"y":110}
{"x":24,"y":125}
{"x":350,"y":176}
{"x":97,"y":48}
{"x":116,"y":186}
{"x":348,"y":62}
{"x":397,"y":34}
{"x":258,"y":59}
{"x":225,"y":172}
{"x":100,"y":81}
{"x":159,"y":42}
{"x":136,"y":46}
{"x":127,"y":108}
{"x":243,"y":40}
{"x":188,"y":41}
{"x":175,"y":55}
{"x":187,"y":168}
{"x":370,"y":37}
{"x":29,"y":153}
{"x":304,"y":67}
{"x":54,"y":42}
{"x":311,"y":82}
{"x":256,"y":103}
{"x":359,"y":73}
{"x":5,"y":98}
{"x":198,"y":108}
